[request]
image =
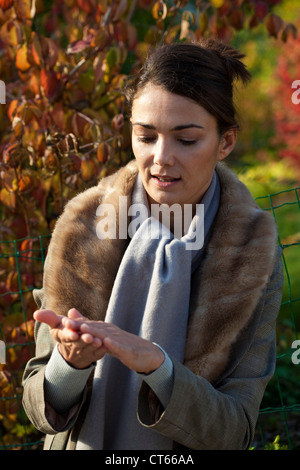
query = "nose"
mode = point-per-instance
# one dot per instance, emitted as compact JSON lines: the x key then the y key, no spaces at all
{"x":163,"y":155}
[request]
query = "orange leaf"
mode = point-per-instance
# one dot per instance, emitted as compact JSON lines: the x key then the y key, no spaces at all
{"x":34,"y":82}
{"x":28,"y":327}
{"x":22,"y":58}
{"x":160,"y":10}
{"x":26,"y":249}
{"x":50,"y":160}
{"x":102,"y":152}
{"x":12,"y":283}
{"x":88,"y":169}
{"x":25,"y":183}
{"x":12,"y":109}
{"x":36,"y":51}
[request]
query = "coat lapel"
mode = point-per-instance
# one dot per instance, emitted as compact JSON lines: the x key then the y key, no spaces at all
{"x":230,"y":282}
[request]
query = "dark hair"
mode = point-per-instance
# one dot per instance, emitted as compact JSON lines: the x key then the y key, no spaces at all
{"x":204,"y":72}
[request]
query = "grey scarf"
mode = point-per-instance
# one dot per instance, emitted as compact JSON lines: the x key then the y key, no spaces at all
{"x":150,"y":298}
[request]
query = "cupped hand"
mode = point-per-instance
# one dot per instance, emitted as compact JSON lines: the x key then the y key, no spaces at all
{"x":82,"y":341}
{"x":79,"y":349}
{"x":136,"y":353}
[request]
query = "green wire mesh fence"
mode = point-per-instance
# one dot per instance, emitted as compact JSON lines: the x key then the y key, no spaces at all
{"x":21,"y":270}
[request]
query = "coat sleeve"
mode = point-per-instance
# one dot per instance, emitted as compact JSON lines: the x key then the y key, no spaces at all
{"x":222,"y":417}
{"x":42,"y":415}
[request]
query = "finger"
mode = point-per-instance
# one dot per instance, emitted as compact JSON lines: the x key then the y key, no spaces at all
{"x":64,"y":335}
{"x":98,"y":329}
{"x":87,"y":338}
{"x":75,"y":314}
{"x":70,"y":324}
{"x":49,"y":317}
{"x":91,"y":340}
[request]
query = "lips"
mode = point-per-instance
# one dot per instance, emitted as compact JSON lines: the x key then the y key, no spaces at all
{"x":165,"y":178}
{"x":165,"y":181}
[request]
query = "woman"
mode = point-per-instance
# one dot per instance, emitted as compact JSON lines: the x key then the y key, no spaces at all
{"x":144,"y":342}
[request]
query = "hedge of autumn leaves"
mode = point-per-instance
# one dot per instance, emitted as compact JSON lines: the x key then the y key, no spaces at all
{"x":65,"y":125}
{"x":287,"y":111}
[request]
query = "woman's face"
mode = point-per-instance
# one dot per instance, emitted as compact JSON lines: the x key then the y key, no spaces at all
{"x":176,"y":144}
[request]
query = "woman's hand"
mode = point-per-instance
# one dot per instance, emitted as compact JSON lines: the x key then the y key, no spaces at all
{"x":77,"y":348}
{"x":82,"y":341}
{"x":136,"y":353}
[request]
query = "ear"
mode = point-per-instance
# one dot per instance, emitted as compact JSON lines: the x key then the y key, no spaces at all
{"x":227,"y":143}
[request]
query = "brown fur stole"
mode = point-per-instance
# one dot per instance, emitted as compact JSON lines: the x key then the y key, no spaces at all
{"x":81,"y":268}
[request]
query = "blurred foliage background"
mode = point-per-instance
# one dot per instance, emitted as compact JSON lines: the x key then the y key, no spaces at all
{"x":65,"y":125}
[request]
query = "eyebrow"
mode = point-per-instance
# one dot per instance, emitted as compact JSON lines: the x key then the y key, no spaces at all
{"x":176,"y":128}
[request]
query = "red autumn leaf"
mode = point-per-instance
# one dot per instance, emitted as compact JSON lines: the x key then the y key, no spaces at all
{"x":49,"y":82}
{"x":254,"y":21}
{"x":6,"y":4}
{"x":261,"y":9}
{"x":236,"y":19}
{"x":274,"y":24}
{"x":86,"y":5}
{"x":5,"y":297}
{"x":51,"y":52}
{"x":289,"y":31}
{"x":75,"y":163}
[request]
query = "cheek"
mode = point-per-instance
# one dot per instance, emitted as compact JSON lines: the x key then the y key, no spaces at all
{"x":141,"y":153}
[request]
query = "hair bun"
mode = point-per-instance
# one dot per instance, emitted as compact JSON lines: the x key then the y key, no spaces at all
{"x":231,"y":59}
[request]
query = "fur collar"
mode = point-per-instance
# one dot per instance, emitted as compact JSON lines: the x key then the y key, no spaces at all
{"x":226,"y":288}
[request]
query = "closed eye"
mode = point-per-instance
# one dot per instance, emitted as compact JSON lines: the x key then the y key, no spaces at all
{"x":146,"y":140}
{"x":187,"y":142}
